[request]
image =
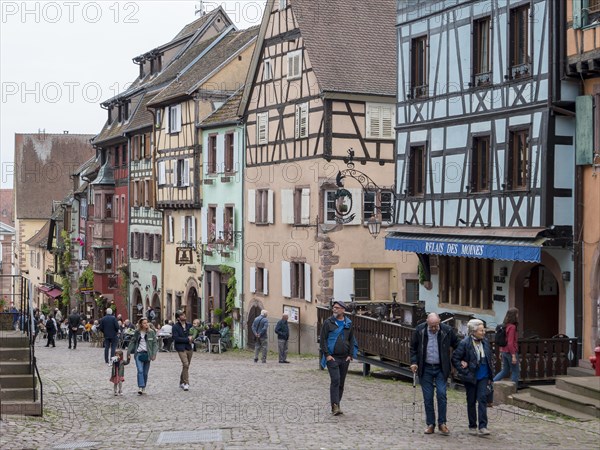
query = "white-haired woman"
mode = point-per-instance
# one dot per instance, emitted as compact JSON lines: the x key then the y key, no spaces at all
{"x":473,"y":361}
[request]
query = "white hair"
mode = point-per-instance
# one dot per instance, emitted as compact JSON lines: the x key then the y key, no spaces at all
{"x":473,"y":324}
{"x":264,"y":312}
{"x":108,"y":311}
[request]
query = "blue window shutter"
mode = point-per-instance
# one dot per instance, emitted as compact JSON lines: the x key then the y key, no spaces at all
{"x":584,"y":137}
{"x":577,"y":14}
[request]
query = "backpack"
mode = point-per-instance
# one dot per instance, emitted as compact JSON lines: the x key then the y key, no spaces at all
{"x":500,"y":337}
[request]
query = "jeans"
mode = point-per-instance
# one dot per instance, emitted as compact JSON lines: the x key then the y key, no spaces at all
{"x":509,"y":367}
{"x":73,"y":336}
{"x":338,"y":369}
{"x":283,"y":349}
{"x":434,"y":374}
{"x":477,"y":393}
{"x":186,"y":359}
{"x":261,"y":345}
{"x":112,"y":342}
{"x":142,"y":371}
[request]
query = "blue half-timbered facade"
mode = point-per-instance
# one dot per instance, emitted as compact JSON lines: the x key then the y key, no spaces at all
{"x":485,"y":159}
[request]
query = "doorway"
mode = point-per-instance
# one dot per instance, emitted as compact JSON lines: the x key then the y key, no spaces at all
{"x":194,"y":304}
{"x":541,"y":305}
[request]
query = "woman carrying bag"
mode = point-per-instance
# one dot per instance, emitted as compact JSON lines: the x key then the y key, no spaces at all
{"x":144,"y":347}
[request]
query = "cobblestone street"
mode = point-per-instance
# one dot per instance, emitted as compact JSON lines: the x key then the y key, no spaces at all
{"x":235,"y":403}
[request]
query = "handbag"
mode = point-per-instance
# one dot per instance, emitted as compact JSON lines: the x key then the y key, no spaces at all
{"x":143,"y":357}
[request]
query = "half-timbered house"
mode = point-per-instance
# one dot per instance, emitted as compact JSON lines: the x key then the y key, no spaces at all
{"x":582,"y":23}
{"x":322,"y":81}
{"x":485,"y":166}
{"x":206,"y":76}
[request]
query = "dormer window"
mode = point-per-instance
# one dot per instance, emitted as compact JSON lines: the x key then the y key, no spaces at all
{"x":126,"y":111}
{"x":110,"y":119}
{"x":120,"y":115}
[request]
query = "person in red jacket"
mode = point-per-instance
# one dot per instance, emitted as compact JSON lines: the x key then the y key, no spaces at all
{"x":510,"y":353}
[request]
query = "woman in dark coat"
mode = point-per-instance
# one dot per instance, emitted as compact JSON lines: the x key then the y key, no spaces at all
{"x":51,"y":330}
{"x":474,"y":362}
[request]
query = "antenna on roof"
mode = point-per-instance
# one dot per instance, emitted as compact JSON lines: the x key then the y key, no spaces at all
{"x":200,"y":9}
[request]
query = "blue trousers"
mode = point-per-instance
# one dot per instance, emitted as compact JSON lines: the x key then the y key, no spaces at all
{"x":434,"y":376}
{"x":109,"y":342}
{"x":142,"y":371}
{"x":477,"y":394}
{"x":509,"y":368}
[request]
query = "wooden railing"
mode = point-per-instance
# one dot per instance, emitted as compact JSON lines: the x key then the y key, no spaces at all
{"x":540,"y":359}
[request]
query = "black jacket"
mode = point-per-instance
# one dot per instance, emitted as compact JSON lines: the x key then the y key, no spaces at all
{"x":282,"y":330}
{"x":109,"y":326}
{"x":466,"y":352}
{"x":345,"y":345}
{"x":74,"y":320}
{"x":181,"y":336}
{"x":418,"y":347}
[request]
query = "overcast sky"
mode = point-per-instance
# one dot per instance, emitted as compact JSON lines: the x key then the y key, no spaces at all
{"x":60,"y":60}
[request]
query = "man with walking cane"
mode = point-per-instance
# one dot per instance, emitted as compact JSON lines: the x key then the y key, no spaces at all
{"x":430,"y":359}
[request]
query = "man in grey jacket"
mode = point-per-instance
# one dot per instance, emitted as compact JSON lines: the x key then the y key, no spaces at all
{"x":260,"y":326}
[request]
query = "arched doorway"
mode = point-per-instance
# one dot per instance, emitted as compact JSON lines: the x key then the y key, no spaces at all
{"x":193,"y":312}
{"x":540,"y":310}
{"x":156,"y":308}
{"x":136,"y":311}
{"x":252,"y":314}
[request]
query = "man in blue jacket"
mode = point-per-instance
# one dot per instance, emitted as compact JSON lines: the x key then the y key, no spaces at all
{"x":110,"y":327}
{"x":183,"y":346}
{"x":260,"y":326}
{"x":338,"y":347}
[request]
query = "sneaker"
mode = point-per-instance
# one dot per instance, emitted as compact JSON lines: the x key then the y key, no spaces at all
{"x":285,"y":362}
{"x":140,"y":391}
{"x":116,"y":394}
{"x":444,"y":429}
{"x":484,"y":432}
{"x":186,"y":387}
{"x":120,"y":393}
{"x":181,"y":385}
{"x":335,"y":409}
{"x":143,"y":390}
{"x":473,"y":431}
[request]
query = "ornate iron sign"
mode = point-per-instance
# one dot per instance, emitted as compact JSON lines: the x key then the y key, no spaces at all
{"x":184,"y":256}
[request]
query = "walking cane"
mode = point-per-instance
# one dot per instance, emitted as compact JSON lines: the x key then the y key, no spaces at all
{"x":414,"y":400}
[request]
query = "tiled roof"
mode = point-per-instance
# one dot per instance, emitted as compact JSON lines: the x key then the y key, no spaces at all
{"x":191,"y":28}
{"x":227,"y":113}
{"x":46,"y":162}
{"x":40,"y":239}
{"x":222,"y":50}
{"x":351,"y":44}
{"x":141,"y":117}
{"x":117,"y":129}
{"x":7,"y":214}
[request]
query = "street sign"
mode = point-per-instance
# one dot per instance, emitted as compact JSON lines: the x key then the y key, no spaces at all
{"x":183,"y":256}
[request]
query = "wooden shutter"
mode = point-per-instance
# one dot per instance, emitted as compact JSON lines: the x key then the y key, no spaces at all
{"x":290,"y":61}
{"x":204,"y":224}
{"x":357,"y":199}
{"x":287,"y":206}
{"x":232,"y":227}
{"x":270,"y":207}
{"x":307,"y":284}
{"x":146,"y":146}
{"x":236,"y":151}
{"x":220,"y":222}
{"x":265,"y":281}
{"x":184,"y":237}
{"x":132,"y":244}
{"x":343,"y":284}
{"x":286,"y":288}
{"x":305,"y":207}
{"x":220,"y":153}
{"x":162,"y":173}
{"x":253,"y":279}
{"x":205,"y":152}
{"x":186,"y":172}
{"x":171,"y":229}
{"x":251,"y":205}
{"x":584,"y":134}
{"x":373,"y":121}
{"x":388,"y":117}
{"x":158,"y":247}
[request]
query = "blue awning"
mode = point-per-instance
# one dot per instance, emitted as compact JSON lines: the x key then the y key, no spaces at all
{"x":526,"y":250}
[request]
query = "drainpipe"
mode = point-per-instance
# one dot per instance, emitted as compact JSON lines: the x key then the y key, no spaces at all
{"x":242,"y":160}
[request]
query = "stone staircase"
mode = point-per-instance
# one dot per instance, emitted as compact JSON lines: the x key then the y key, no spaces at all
{"x":17,"y":382}
{"x":577,"y":397}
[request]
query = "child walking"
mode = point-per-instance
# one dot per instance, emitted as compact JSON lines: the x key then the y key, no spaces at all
{"x":117,"y":371}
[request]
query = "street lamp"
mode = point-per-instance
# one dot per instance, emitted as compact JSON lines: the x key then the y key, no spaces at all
{"x":374,"y":225}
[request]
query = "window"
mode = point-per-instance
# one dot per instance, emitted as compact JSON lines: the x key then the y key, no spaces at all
{"x":294,"y":63}
{"x":518,"y":159}
{"x":268,"y":70}
{"x":188,"y":230}
{"x":329,"y":205}
{"x":301,"y":124}
{"x":282,"y":4}
{"x":228,"y":225}
{"x":480,"y":164}
{"x":116,"y":203}
{"x":262,"y":128}
{"x":212,"y":154}
{"x":297,"y":279}
{"x":175,"y":119}
{"x":379,"y":202}
{"x":171,"y":228}
{"x":83,"y":208}
{"x":362,"y":284}
{"x":124,"y":155}
{"x":466,"y":281}
{"x":126,"y":111}
{"x":418,"y":80}
{"x":519,"y":42}
{"x":149,"y":246}
{"x":412,"y":291}
{"x":229,"y":153}
{"x":122,"y":208}
{"x":182,"y":173}
{"x":259,"y":280}
{"x":117,"y":154}
{"x":212,"y":224}
{"x":108,"y":201}
{"x":481,"y":52}
{"x":103,"y":260}
{"x":140,"y":246}
{"x":380,"y":121}
{"x":301,"y":206}
{"x":416,"y":171}
{"x":262,"y":206}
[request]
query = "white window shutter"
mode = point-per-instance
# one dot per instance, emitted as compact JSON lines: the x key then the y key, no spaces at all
{"x":186,"y":172}
{"x":162,"y":174}
{"x":194,"y":231}
{"x":286,"y":288}
{"x":251,"y":205}
{"x":265,"y":281}
{"x":290,"y":61}
{"x":175,"y":165}
{"x":220,"y":222}
{"x":343,"y":284}
{"x":307,"y":285}
{"x":270,"y":217}
{"x":298,"y":118}
{"x":253,"y":279}
{"x":304,"y":120}
{"x":236,"y":151}
{"x":357,"y":200}
{"x":171,"y":229}
{"x":374,"y":120}
{"x":220,"y":153}
{"x":167,"y":120}
{"x":183,"y":233}
{"x":204,"y":224}
{"x":387,"y":121}
{"x":287,"y":206}
{"x":205,"y":158}
{"x":177,"y":118}
{"x":305,"y":207}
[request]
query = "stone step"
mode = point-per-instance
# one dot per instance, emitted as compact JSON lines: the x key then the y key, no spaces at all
{"x":14,"y":367}
{"x":14,"y":342}
{"x":580,"y":372}
{"x":22,"y":408}
{"x":586,"y":386}
{"x":14,"y":354}
{"x":16,"y":394}
{"x":526,"y":401}
{"x":16,"y":381}
{"x":569,"y":400}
